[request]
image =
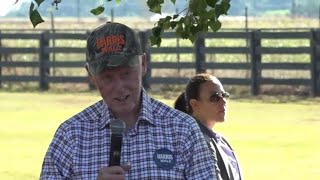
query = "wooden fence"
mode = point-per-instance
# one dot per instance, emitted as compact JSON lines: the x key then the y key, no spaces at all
{"x":254,"y":50}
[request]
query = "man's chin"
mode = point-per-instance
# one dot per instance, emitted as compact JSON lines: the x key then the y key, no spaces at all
{"x":122,"y":110}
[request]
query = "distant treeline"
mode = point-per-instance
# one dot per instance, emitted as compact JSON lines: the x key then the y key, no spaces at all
{"x":81,"y":8}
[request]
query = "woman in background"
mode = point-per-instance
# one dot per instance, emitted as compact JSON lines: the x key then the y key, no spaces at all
{"x":206,"y":101}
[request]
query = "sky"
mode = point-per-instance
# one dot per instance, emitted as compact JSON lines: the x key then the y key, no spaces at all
{"x":8,"y":5}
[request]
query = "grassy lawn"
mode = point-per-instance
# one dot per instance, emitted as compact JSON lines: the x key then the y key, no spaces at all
{"x":273,"y":139}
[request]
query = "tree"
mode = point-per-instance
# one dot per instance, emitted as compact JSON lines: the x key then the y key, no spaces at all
{"x":199,"y":16}
{"x":309,"y":8}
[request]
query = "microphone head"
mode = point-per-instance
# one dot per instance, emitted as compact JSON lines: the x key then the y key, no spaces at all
{"x":117,"y":126}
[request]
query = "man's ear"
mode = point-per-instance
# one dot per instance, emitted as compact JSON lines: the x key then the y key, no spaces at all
{"x":92,"y":80}
{"x":144,"y":64}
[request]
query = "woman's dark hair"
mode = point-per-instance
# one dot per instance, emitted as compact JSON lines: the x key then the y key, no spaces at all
{"x":192,"y":90}
{"x":180,"y":103}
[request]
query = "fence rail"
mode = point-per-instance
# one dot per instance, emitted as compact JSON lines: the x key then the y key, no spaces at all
{"x":44,"y":49}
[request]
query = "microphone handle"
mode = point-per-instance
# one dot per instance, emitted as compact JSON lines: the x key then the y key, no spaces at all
{"x":115,"y":150}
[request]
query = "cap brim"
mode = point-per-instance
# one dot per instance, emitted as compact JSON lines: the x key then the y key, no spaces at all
{"x":97,"y":66}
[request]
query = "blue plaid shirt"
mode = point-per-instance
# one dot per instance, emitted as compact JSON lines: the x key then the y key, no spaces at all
{"x":81,"y":145}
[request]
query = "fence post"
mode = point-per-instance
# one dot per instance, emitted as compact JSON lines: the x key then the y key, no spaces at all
{"x":255,"y":62}
{"x":315,"y":62}
{"x":44,"y":60}
{"x":145,"y":45}
{"x":199,"y":47}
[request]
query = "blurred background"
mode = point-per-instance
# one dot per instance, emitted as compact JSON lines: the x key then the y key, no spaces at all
{"x":267,"y":55}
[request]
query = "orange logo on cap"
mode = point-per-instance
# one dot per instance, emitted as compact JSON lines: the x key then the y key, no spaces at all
{"x":110,"y":43}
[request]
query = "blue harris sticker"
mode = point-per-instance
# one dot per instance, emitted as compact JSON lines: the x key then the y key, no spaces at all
{"x":164,"y":158}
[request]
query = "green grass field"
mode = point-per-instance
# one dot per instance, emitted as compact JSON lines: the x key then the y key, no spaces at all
{"x":274,"y":139}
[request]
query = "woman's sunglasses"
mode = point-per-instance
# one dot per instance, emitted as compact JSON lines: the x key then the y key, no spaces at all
{"x":215,"y":97}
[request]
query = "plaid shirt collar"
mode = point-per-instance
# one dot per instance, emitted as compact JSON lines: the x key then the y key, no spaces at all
{"x":145,"y":113}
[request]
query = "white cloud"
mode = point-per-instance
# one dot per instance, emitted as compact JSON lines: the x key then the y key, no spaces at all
{"x":7,"y":6}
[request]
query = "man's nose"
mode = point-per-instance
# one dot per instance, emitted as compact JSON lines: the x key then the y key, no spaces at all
{"x":119,"y":83}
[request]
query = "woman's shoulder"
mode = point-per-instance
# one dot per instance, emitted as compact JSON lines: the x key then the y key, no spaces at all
{"x":223,"y":140}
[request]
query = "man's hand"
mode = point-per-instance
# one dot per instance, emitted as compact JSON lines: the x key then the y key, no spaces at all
{"x":113,"y":172}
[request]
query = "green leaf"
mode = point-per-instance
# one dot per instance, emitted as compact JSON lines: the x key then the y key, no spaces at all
{"x":39,"y":2}
{"x":175,"y":16}
{"x":225,"y":6}
{"x":193,"y":38}
{"x":31,"y":7}
{"x":185,"y":34}
{"x":194,"y":29}
{"x":166,"y":25}
{"x":222,"y":8}
{"x":215,"y":25}
{"x":156,"y":31}
{"x":165,"y":22}
{"x":35,"y":18}
{"x":203,"y":16}
{"x":173,"y":24}
{"x":211,"y":14}
{"x":117,"y":1}
{"x":218,"y":10}
{"x":155,"y":40}
{"x":168,"y":18}
{"x":188,"y":21}
{"x":161,"y":21}
{"x":155,"y":5}
{"x":181,"y":20}
{"x":211,"y":3}
{"x":179,"y":28}
{"x":203,"y":26}
{"x":97,"y":10}
{"x":156,"y":9}
{"x":197,"y":6}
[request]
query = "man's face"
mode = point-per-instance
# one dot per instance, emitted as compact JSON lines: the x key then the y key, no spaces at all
{"x":120,"y":88}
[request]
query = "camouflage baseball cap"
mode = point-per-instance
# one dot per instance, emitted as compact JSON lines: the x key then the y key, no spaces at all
{"x":112,"y":45}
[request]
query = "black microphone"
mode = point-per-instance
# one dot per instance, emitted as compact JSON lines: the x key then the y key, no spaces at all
{"x":117,"y":128}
